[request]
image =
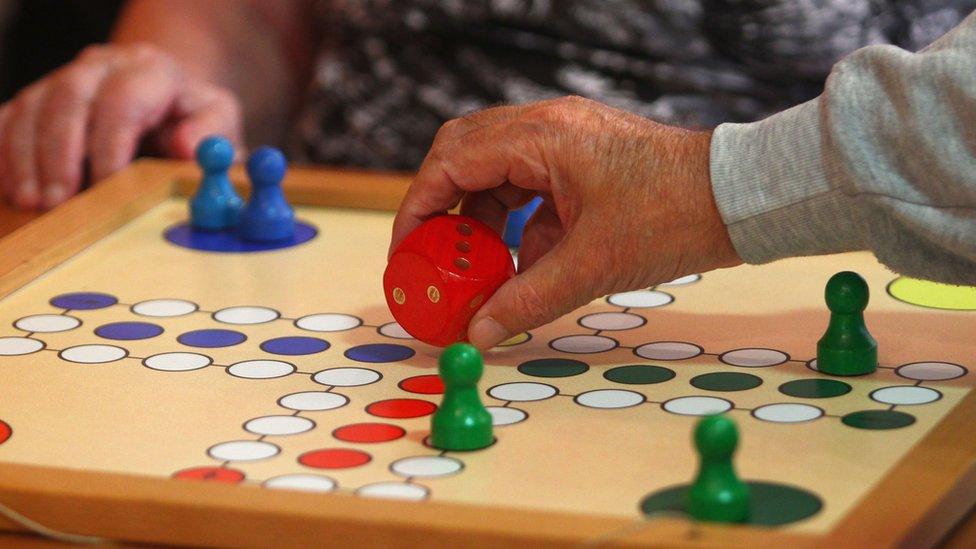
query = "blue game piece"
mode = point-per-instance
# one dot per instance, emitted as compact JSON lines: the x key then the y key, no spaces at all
{"x":267,"y":216}
{"x":216,"y":205}
{"x":517,"y":220}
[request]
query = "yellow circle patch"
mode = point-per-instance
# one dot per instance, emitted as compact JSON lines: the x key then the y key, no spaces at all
{"x":926,"y":293}
{"x":516,"y":340}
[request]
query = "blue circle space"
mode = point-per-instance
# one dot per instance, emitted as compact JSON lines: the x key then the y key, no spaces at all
{"x":379,"y":352}
{"x":211,"y":338}
{"x":128,"y":331}
{"x":295,"y":345}
{"x":84,"y":301}
{"x":227,"y":241}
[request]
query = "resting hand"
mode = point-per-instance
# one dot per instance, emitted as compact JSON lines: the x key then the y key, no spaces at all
{"x":627,"y":204}
{"x":99,"y":107}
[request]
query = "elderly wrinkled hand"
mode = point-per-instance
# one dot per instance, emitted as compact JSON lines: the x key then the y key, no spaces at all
{"x":627,"y":204}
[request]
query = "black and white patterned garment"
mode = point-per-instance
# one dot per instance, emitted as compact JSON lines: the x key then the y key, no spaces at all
{"x":395,"y":70}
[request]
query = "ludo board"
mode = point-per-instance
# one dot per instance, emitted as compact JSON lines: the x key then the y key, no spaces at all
{"x":162,"y":388}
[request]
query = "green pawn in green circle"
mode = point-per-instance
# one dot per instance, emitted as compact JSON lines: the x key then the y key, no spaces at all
{"x":846,"y":348}
{"x":461,"y":422}
{"x":717,"y":494}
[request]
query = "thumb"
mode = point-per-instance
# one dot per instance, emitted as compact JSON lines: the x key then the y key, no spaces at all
{"x":557,"y":283}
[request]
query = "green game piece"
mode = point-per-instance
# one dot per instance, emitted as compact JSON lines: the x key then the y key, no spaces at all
{"x":462,"y":422}
{"x":717,"y":494}
{"x":847,"y":349}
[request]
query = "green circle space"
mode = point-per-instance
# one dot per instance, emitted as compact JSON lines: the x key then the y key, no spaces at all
{"x":770,"y":503}
{"x":726,"y":381}
{"x":639,"y":374}
{"x":815,"y":388}
{"x":553,"y":367}
{"x":878,"y":419}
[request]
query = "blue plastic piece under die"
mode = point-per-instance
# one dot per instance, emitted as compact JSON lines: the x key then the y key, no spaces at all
{"x":517,"y":219}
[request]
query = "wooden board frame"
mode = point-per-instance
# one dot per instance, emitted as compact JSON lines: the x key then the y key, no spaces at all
{"x":915,"y":504}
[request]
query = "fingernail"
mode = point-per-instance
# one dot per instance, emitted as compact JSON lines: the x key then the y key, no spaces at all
{"x":485,"y":333}
{"x":27,"y":194}
{"x":54,"y":195}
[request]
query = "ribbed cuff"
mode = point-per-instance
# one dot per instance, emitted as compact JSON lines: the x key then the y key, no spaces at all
{"x":771,"y":187}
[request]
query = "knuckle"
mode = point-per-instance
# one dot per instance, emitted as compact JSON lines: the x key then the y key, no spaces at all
{"x":452,"y":125}
{"x":143,"y":50}
{"x":71,"y":83}
{"x":230,"y":101}
{"x":91,"y":53}
{"x":552,"y":113}
{"x":147,"y":54}
{"x":531,"y":305}
{"x":448,"y":129}
{"x":575,"y":100}
{"x":538,"y":123}
{"x":22,"y":105}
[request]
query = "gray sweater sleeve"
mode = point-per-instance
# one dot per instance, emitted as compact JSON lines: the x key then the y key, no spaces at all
{"x":883,"y":160}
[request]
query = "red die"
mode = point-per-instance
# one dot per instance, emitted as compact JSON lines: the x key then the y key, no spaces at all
{"x":440,"y":275}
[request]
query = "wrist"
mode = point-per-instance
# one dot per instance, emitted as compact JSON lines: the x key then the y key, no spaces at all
{"x":713,"y":242}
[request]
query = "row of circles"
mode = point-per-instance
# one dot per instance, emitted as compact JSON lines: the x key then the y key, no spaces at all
{"x":370,"y":432}
{"x":646,"y":374}
{"x":322,"y":322}
{"x":330,"y":322}
{"x":86,"y":301}
{"x":336,"y":458}
{"x":374,"y":353}
{"x":159,"y":308}
{"x":379,"y":353}
{"x":311,"y":483}
{"x":694,"y":405}
{"x":900,"y":395}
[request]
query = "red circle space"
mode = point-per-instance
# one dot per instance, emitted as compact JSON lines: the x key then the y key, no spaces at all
{"x":211,"y":474}
{"x":369,"y":432}
{"x":5,"y":431}
{"x":334,"y":458}
{"x":430,"y":384}
{"x":401,"y":408}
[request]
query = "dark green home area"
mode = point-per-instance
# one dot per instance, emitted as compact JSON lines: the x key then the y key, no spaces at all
{"x":553,"y":367}
{"x":726,"y":381}
{"x":815,"y":388}
{"x":771,"y":504}
{"x":639,"y":374}
{"x":878,"y":419}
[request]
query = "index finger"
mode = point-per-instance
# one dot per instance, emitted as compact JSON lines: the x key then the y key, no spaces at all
{"x":438,"y":192}
{"x":481,"y":159}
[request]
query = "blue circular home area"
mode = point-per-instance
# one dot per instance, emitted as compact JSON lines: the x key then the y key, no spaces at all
{"x":211,"y":338}
{"x":295,"y":345}
{"x":186,"y":236}
{"x":84,"y":301}
{"x":379,"y":352}
{"x":128,"y":331}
